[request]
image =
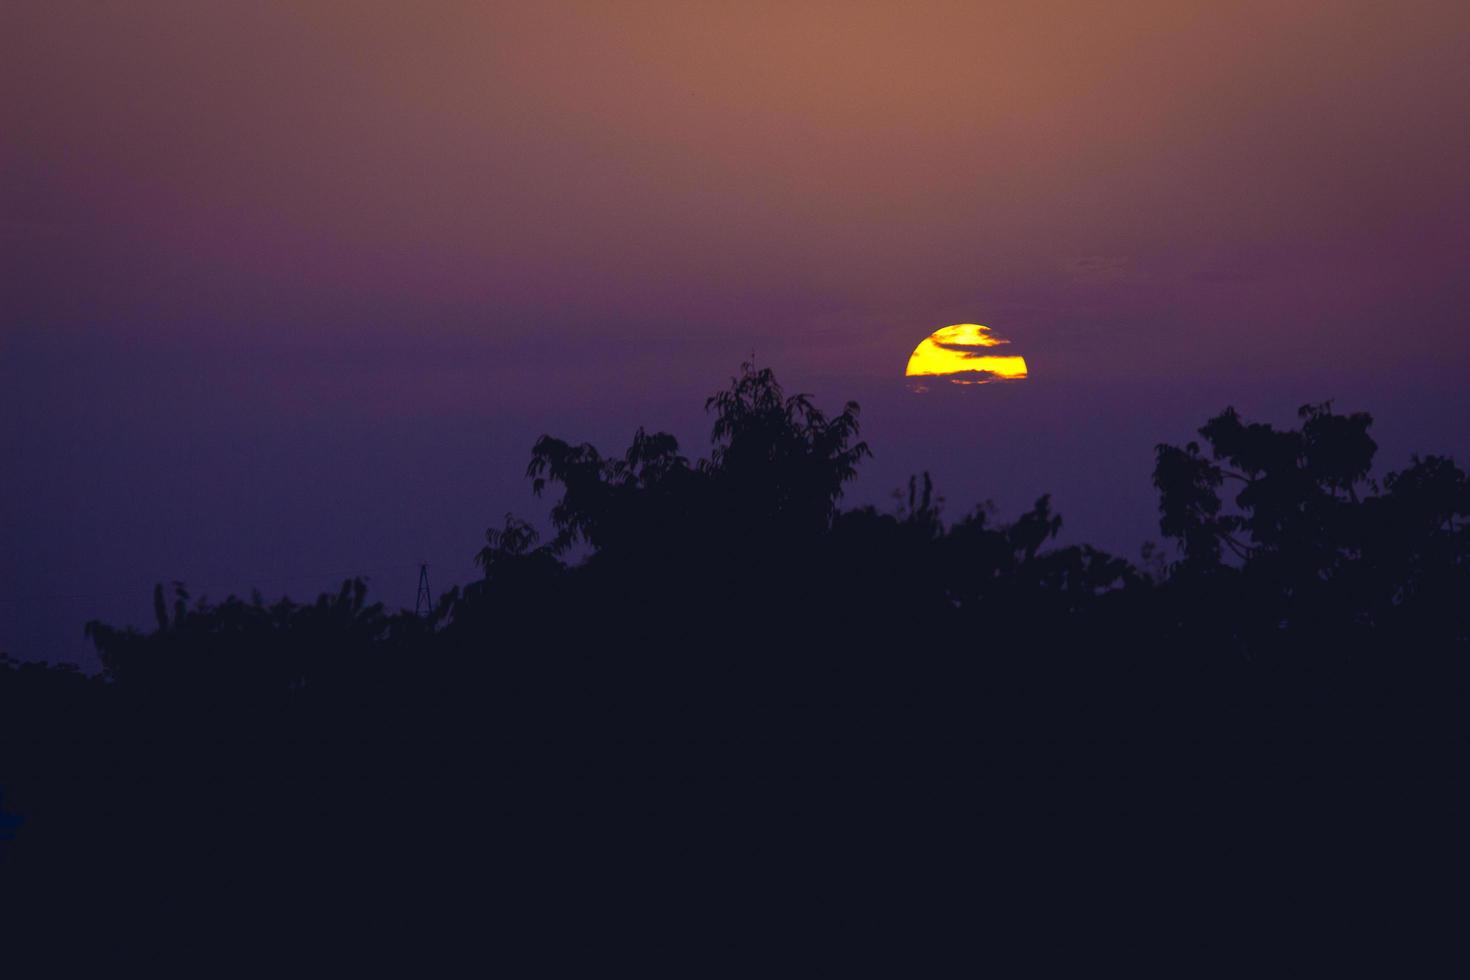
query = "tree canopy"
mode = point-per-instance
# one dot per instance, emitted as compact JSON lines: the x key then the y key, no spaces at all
{"x":726,"y":618}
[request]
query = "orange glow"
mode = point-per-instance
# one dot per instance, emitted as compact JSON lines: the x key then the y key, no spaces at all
{"x":959,"y":354}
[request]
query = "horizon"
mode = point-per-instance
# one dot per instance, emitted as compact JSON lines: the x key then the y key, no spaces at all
{"x":292,"y":291}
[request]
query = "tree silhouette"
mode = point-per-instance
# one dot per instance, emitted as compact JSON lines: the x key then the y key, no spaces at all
{"x":724,"y":619}
{"x":780,"y":461}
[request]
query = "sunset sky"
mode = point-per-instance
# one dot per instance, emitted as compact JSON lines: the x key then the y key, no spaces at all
{"x":290,"y":289}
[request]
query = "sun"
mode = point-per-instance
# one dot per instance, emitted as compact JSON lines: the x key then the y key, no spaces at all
{"x":960,"y":354}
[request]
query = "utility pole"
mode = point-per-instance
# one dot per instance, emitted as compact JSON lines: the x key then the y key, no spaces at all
{"x":423,"y":603}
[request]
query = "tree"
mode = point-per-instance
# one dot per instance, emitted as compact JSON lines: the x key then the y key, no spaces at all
{"x":780,"y":462}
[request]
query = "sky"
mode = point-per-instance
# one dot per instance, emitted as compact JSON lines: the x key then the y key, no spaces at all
{"x":289,"y":289}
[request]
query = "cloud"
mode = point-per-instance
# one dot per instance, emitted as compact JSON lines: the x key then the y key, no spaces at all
{"x":1103,"y":270}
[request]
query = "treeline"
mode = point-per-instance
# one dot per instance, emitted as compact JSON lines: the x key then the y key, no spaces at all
{"x":731,"y":620}
{"x":735,"y":585}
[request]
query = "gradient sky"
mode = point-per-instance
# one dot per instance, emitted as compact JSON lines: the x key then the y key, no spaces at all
{"x":289,"y":289}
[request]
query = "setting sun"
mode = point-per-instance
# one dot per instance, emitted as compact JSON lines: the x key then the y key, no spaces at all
{"x":959,"y":354}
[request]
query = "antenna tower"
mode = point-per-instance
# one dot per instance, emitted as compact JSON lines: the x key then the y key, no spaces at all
{"x":423,"y":603}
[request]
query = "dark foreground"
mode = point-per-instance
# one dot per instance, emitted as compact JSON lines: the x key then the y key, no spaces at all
{"x":751,"y":724}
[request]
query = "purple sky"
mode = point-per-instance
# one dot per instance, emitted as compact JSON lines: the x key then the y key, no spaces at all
{"x":289,"y":289}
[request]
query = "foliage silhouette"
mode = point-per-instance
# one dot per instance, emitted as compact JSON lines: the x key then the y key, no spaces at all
{"x":730,"y":621}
